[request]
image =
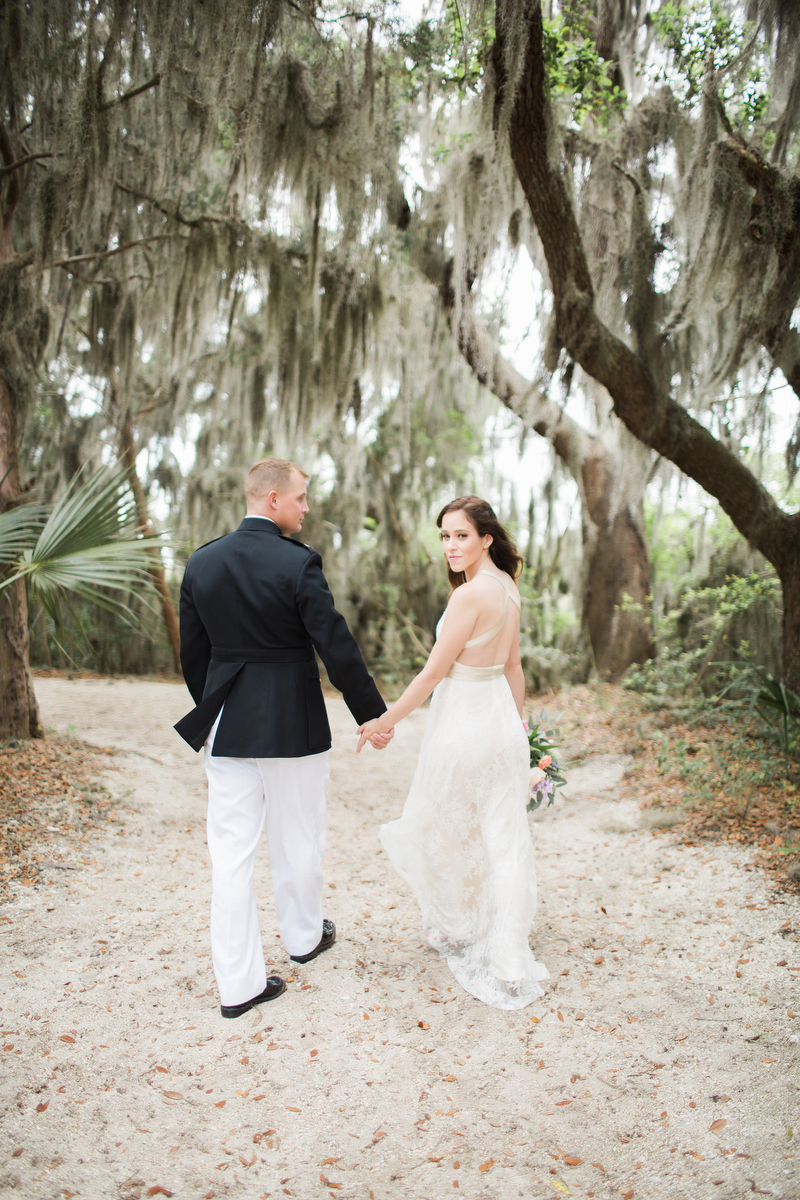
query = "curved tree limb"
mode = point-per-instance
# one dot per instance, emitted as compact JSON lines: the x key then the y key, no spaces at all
{"x":650,"y":414}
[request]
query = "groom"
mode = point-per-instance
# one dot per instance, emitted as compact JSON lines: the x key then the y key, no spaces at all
{"x":254,"y":607}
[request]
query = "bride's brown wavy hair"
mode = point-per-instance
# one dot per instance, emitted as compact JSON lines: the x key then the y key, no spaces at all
{"x":503,"y":552}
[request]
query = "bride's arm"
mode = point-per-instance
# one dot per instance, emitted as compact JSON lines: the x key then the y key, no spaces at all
{"x":462,"y":613}
{"x":516,"y":676}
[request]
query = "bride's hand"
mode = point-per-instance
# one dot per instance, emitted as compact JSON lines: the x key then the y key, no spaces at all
{"x":372,"y":730}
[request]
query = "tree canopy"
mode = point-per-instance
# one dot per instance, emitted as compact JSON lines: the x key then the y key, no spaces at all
{"x":269,"y":228}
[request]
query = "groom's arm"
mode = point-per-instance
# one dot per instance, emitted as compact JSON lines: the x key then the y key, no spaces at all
{"x":195,"y":643}
{"x":335,"y":643}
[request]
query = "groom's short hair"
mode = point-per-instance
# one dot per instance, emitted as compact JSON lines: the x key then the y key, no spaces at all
{"x":270,"y":475}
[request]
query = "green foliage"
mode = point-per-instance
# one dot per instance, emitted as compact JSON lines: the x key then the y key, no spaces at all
{"x":683,"y":661}
{"x":706,"y":32}
{"x":577,"y":73}
{"x":779,"y":707}
{"x":86,"y":547}
{"x":689,"y":673}
{"x":449,"y":52}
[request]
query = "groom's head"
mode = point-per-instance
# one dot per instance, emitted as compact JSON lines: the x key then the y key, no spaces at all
{"x":276,"y":488}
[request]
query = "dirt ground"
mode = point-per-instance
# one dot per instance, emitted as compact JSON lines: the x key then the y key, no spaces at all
{"x":662,"y":1062}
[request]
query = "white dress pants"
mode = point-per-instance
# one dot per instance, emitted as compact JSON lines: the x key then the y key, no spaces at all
{"x":245,"y":794}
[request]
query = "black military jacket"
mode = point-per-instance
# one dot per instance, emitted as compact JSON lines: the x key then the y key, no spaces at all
{"x":254,"y":606}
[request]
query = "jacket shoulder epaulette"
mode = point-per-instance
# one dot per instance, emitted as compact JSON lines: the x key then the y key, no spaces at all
{"x":211,"y":543}
{"x":302,"y":545}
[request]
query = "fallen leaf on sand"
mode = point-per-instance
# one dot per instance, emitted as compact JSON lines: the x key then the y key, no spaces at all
{"x":572,"y":1161}
{"x":290,"y":1109}
{"x":66,"y":1038}
{"x":220,"y":1103}
{"x":423,"y":1025}
{"x":41,"y":1107}
{"x":158,"y":1190}
{"x":720,"y":1123}
{"x":599,"y":1166}
{"x":259,"y":1137}
{"x":561,"y":1103}
{"x":174,"y":1095}
{"x":246,"y":1162}
{"x":487,"y":1166}
{"x":560,"y":1187}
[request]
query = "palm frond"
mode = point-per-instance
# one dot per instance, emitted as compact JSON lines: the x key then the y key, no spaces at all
{"x":20,"y":529}
{"x":86,"y":546}
{"x":90,"y":513}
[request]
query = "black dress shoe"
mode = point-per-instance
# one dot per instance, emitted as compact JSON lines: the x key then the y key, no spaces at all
{"x":325,"y":943}
{"x":275,"y":986}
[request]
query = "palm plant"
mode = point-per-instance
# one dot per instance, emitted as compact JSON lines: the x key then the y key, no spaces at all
{"x":85,"y":545}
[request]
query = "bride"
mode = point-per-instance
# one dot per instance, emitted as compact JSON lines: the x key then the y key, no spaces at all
{"x":463,"y":842}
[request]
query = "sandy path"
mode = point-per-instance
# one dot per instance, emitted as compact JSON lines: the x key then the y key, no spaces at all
{"x":649,"y":1061}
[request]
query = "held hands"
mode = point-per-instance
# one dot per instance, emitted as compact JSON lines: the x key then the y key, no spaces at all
{"x":371,"y":732}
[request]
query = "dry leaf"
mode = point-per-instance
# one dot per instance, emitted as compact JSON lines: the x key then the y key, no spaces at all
{"x":246,"y":1162}
{"x":314,"y":1053}
{"x":599,"y":1166}
{"x":560,"y":1015}
{"x":561,"y":1103}
{"x":163,"y":1070}
{"x":158,"y":1190}
{"x":450,"y":1079}
{"x":41,"y":1107}
{"x":561,"y":1187}
{"x":572,"y":1161}
{"x":290,"y":1109}
{"x":487,"y":1166}
{"x":66,"y":1038}
{"x":220,"y":1103}
{"x":423,"y":1025}
{"x":259,"y":1137}
{"x":173,"y":1095}
{"x":720,"y":1123}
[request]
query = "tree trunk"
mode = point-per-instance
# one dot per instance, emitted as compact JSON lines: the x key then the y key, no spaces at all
{"x":790,"y":581}
{"x":19,"y":712}
{"x":617,"y":597}
{"x":145,"y":525}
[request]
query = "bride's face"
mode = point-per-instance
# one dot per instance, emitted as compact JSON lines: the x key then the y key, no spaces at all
{"x":463,"y":546}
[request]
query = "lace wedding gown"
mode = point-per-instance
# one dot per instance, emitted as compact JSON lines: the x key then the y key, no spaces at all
{"x":463,"y":842}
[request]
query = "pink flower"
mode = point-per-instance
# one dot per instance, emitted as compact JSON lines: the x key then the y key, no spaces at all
{"x":545,"y":762}
{"x":525,"y":726}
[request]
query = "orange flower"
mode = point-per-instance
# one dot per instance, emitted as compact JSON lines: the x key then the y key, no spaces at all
{"x":545,"y":762}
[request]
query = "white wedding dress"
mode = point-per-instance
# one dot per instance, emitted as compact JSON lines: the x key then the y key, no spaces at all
{"x":463,"y":842}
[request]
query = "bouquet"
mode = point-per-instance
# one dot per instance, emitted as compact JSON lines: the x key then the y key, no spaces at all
{"x":546,"y":773}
